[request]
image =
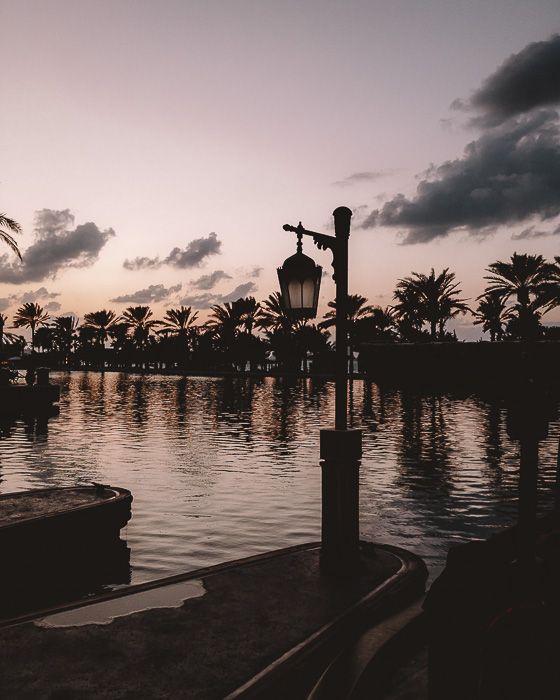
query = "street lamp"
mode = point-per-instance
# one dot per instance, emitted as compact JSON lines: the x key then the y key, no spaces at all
{"x":341,"y":448}
{"x":300,"y":281}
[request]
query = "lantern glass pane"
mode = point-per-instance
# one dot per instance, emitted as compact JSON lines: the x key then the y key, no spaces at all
{"x":294,"y":293}
{"x":307,"y":293}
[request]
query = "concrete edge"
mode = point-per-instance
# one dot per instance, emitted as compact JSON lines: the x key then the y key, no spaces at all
{"x":371,"y":659}
{"x":343,"y":629}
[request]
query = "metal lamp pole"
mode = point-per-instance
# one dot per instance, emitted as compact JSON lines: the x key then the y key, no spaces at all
{"x":341,"y":448}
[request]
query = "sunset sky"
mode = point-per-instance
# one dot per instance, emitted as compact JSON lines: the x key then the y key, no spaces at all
{"x":152,"y":151}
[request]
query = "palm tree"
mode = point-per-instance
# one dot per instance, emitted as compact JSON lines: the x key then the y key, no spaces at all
{"x":179,"y":322}
{"x":13,"y":227}
{"x":273,"y":317}
{"x":356,"y":309}
{"x":139,"y":320}
{"x":248,"y":309}
{"x":492,"y":313}
{"x":30,"y":315}
{"x":224,"y":322}
{"x":379,"y":325}
{"x":430,"y":299}
{"x":530,"y":280}
{"x":44,"y":338}
{"x":64,"y":335}
{"x":101,"y":322}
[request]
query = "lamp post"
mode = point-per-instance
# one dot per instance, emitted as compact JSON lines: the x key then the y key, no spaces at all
{"x":340,"y":448}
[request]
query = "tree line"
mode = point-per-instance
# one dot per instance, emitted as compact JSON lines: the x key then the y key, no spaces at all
{"x":258,"y":335}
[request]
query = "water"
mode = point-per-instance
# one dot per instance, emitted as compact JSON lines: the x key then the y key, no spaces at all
{"x":222,"y":468}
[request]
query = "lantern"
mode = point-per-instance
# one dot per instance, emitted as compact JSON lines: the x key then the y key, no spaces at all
{"x":300,"y":281}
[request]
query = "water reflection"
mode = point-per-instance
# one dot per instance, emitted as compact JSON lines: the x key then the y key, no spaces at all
{"x":228,"y":467}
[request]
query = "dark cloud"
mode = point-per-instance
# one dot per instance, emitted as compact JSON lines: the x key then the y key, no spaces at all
{"x":206,"y":301}
{"x":528,"y":79}
{"x":58,"y":246}
{"x":209,"y":281}
{"x":194,"y":255}
{"x":510,"y":174}
{"x":153,"y":294}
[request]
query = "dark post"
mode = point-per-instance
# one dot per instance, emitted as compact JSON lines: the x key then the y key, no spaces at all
{"x":341,"y":449}
{"x":342,"y":217}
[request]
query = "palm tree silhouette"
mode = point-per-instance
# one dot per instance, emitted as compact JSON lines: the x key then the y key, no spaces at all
{"x":356,"y":309}
{"x":179,"y":321}
{"x":530,"y":280}
{"x":30,"y":315}
{"x":492,"y":313}
{"x":101,"y":322}
{"x":13,"y":227}
{"x":64,"y":334}
{"x":248,"y":309}
{"x":273,"y":317}
{"x":427,"y":298}
{"x":139,"y":320}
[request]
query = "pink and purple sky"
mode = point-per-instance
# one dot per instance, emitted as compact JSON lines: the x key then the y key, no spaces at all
{"x":152,"y":151}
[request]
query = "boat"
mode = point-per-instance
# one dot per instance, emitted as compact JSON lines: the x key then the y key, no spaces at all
{"x":53,"y":518}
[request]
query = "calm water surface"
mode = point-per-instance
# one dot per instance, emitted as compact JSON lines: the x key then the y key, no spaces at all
{"x":222,"y":468}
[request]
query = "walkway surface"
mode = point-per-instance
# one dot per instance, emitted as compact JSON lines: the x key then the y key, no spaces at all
{"x":262,"y":627}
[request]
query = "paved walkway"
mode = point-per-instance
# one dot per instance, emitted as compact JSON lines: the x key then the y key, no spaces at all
{"x":263,"y":627}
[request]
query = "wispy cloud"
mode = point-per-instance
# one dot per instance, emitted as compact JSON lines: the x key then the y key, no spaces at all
{"x":41,"y":295}
{"x":361,"y":178}
{"x":510,"y":174}
{"x":532,"y":232}
{"x":194,"y":255}
{"x":210,"y":281}
{"x":152,"y":294}
{"x":58,"y":246}
{"x":206,"y":301}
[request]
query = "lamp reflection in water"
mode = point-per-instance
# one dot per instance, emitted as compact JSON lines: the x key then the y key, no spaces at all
{"x":341,"y":448}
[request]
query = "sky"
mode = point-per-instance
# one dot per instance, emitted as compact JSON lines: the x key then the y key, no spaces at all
{"x":152,"y":151}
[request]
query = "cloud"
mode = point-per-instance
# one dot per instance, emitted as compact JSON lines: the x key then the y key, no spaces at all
{"x":153,"y":294}
{"x":200,"y":301}
{"x":251,"y":272}
{"x":360,"y":178}
{"x":526,"y":80}
{"x":58,"y":246}
{"x":510,"y":174}
{"x":531,"y":233}
{"x":194,"y":255}
{"x":54,"y":306}
{"x":211,"y":280}
{"x":241,"y":291}
{"x":40,"y":293}
{"x":206,"y":301}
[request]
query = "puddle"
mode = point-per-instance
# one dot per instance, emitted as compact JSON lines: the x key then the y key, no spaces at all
{"x":104,"y":613}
